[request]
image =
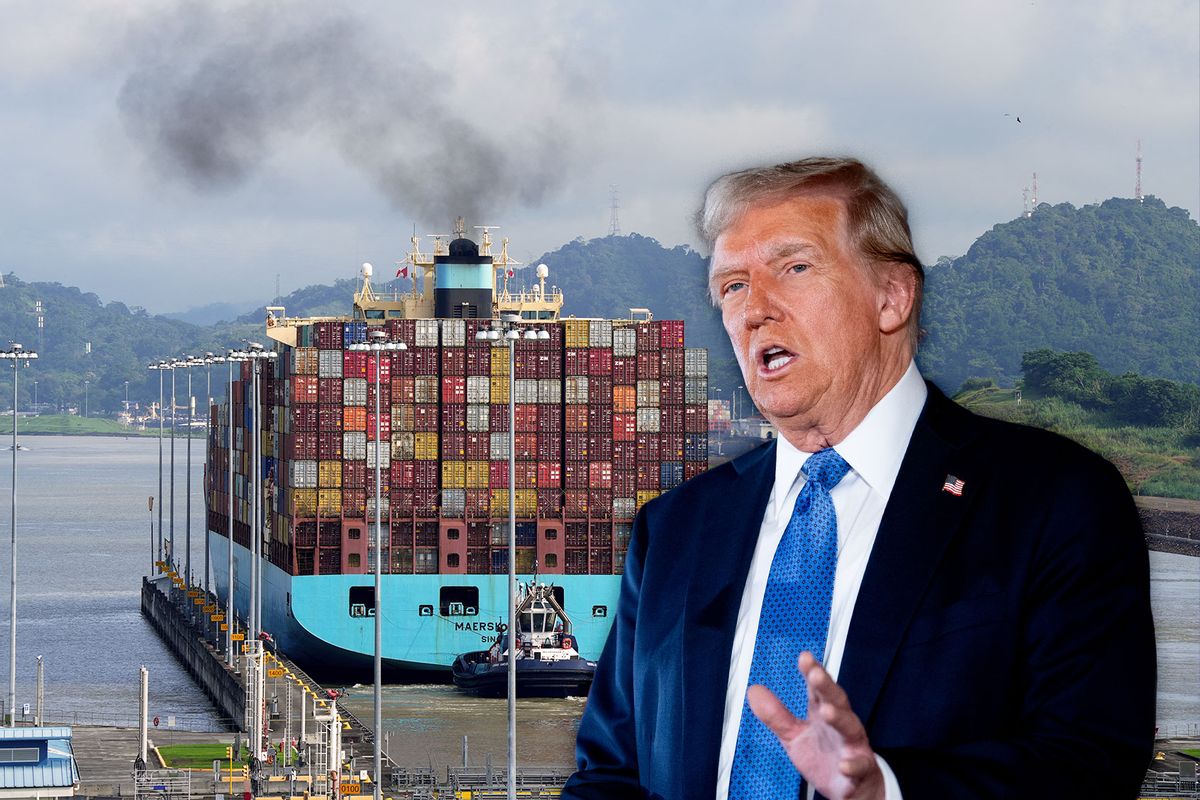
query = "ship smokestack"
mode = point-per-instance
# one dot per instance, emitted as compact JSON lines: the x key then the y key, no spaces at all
{"x":464,"y":282}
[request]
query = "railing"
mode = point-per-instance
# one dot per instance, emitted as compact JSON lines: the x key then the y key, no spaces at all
{"x":198,"y":722}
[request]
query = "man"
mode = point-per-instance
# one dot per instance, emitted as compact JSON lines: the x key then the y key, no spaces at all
{"x":897,"y":599}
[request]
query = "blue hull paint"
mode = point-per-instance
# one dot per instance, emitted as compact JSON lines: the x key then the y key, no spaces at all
{"x":310,"y":616}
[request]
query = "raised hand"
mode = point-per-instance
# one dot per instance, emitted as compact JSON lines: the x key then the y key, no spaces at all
{"x":830,"y":748}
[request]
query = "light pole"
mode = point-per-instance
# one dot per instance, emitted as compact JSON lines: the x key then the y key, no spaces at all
{"x":20,"y":358}
{"x":234,"y":356}
{"x":507,"y":326}
{"x":126,"y":397}
{"x":85,"y":398}
{"x":188,"y":363}
{"x":209,"y":360}
{"x":159,"y":368}
{"x":256,"y":354}
{"x":173,"y":365}
{"x":378,"y":344}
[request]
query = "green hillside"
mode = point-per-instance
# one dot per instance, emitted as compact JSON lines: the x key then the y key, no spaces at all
{"x":1120,"y":280}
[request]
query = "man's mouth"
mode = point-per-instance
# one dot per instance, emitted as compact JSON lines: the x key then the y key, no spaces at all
{"x":776,"y":358}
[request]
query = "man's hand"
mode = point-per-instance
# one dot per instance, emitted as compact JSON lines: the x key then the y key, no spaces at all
{"x":830,"y":748}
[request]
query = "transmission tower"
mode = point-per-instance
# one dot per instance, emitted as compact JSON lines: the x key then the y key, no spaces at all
{"x":1033,"y":206}
{"x":614,"y":220}
{"x":1137,"y":191}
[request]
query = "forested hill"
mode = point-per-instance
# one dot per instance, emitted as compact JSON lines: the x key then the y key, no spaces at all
{"x":1120,"y":280}
{"x":607,"y":277}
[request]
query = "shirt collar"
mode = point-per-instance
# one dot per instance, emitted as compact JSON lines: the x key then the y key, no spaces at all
{"x":874,"y":449}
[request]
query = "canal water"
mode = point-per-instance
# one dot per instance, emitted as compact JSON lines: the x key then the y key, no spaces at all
{"x":83,"y":544}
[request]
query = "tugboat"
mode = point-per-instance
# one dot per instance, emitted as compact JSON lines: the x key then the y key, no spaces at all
{"x":547,"y":655}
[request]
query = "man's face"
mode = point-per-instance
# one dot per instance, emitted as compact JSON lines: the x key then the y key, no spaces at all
{"x":802,"y":311}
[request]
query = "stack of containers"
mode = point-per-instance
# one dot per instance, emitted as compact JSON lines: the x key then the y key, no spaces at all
{"x":607,"y":416}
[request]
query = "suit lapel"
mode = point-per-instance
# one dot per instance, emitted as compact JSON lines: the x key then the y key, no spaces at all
{"x":918,"y":523}
{"x":714,"y":594}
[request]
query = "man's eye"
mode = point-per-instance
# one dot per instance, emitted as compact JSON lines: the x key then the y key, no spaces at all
{"x":733,"y":286}
{"x":798,"y":267}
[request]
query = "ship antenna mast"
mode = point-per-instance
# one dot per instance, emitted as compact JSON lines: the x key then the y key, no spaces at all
{"x":614,"y":220}
{"x":1137,"y":191}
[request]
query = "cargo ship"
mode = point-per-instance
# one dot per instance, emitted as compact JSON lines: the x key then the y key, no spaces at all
{"x":608,"y":414}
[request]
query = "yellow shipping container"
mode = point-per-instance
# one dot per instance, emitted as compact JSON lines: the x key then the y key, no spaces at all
{"x":526,"y":502}
{"x":499,"y":503}
{"x":645,"y":496}
{"x":329,"y":474}
{"x":499,"y":389}
{"x":305,"y":501}
{"x":453,"y":474}
{"x":499,"y":363}
{"x":576,"y":332}
{"x":329,"y":501}
{"x":477,"y":474}
{"x":425,"y":446}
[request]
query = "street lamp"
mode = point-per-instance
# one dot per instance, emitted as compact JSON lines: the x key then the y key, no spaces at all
{"x":378,"y":344}
{"x":188,"y":363}
{"x":172,"y":365}
{"x":160,"y":367}
{"x":256,"y":354}
{"x":507,"y":326}
{"x":85,"y":398}
{"x":233,"y":356}
{"x":209,"y":359}
{"x":20,"y":357}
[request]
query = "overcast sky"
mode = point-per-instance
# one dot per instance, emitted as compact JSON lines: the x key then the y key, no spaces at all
{"x":171,"y":154}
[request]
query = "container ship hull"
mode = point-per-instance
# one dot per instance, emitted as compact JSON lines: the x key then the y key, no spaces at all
{"x":587,"y":419}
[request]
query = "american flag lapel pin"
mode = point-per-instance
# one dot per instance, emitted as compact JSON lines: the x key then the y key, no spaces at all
{"x":953,"y":485}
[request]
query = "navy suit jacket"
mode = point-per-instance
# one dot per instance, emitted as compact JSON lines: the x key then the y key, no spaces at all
{"x":1001,"y":643}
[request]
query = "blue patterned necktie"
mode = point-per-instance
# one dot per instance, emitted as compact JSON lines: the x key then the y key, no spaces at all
{"x":794,"y":618}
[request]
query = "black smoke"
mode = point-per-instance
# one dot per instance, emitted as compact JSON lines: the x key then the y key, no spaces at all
{"x":211,"y":95}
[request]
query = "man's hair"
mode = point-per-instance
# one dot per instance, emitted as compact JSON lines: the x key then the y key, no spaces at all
{"x":876,"y":219}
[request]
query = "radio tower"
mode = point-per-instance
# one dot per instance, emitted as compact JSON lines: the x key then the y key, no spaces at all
{"x":614,"y":221}
{"x":1033,"y":206}
{"x":1137,"y":191}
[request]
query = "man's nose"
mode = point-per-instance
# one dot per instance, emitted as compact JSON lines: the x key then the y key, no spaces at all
{"x":760,"y":304}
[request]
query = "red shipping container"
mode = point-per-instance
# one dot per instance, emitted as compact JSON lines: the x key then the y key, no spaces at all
{"x":527,"y":474}
{"x":454,"y":390}
{"x":328,"y":335}
{"x":304,"y":389}
{"x":549,"y":474}
{"x":575,"y":446}
{"x":354,"y":502}
{"x":425,"y":360}
{"x":670,"y":447}
{"x":624,"y":483}
{"x":479,"y":446}
{"x":402,"y":389}
{"x":426,"y":474}
{"x":600,"y":390}
{"x":550,"y":364}
{"x":354,"y":364}
{"x":648,"y":336}
{"x":695,"y":419}
{"x":498,"y":474}
{"x":303,"y":444}
{"x":624,"y":372}
{"x":401,"y":507}
{"x":526,"y":417}
{"x":385,"y":427}
{"x":402,"y":330}
{"x":425,"y":417}
{"x":478,"y":360}
{"x":693,"y":468}
{"x":425,"y":503}
{"x":498,"y":418}
{"x":478,"y":502}
{"x":329,"y":391}
{"x":550,"y":418}
{"x":549,"y":447}
{"x":670,"y":390}
{"x":454,"y":361}
{"x":599,"y":417}
{"x":648,"y":365}
{"x":454,"y":418}
{"x":672,"y":333}
{"x":549,"y":502}
{"x":625,"y":454}
{"x":600,"y":446}
{"x":402,"y":364}
{"x":384,"y":480}
{"x":648,"y":476}
{"x":525,"y":445}
{"x":577,"y":418}
{"x":454,"y":446}
{"x":624,"y":427}
{"x":648,"y":449}
{"x":575,"y":474}
{"x":354,"y":474}
{"x":526,"y":363}
{"x":600,"y":361}
{"x":576,"y":361}
{"x":304,"y":417}
{"x":329,"y":446}
{"x":402,"y":473}
{"x":384,"y":399}
{"x":575,"y":503}
{"x":329,"y":418}
{"x":600,"y":503}
{"x":671,"y":419}
{"x":600,"y":475}
{"x":671,"y":363}
{"x":385,"y":368}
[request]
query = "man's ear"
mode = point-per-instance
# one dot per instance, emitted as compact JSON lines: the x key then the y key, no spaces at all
{"x":897,"y":296}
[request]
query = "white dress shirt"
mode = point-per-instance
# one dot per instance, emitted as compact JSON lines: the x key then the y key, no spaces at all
{"x":874,"y":451}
